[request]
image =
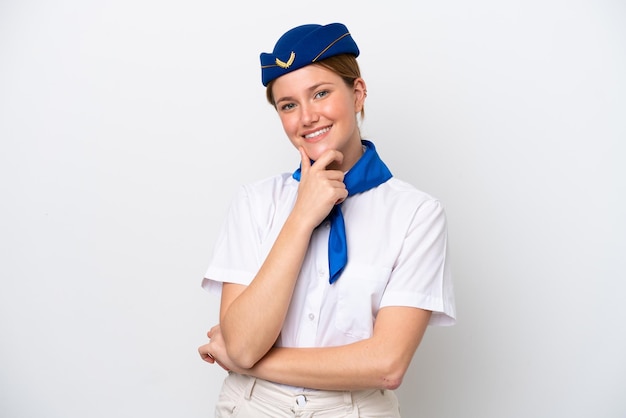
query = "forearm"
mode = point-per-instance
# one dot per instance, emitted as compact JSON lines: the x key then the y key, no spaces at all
{"x":378,"y":362}
{"x":252,"y":321}
{"x":350,"y":367}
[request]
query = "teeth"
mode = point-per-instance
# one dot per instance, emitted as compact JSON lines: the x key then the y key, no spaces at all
{"x":318,"y":133}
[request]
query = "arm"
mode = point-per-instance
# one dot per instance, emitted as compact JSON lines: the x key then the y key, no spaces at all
{"x":377,"y":362}
{"x":251,"y":317}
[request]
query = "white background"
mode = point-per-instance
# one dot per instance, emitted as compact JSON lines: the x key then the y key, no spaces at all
{"x":126,"y":127}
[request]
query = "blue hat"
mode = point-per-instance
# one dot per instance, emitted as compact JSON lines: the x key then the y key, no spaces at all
{"x":304,"y":45}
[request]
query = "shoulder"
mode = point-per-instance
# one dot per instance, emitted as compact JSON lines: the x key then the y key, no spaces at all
{"x":400,"y":192}
{"x":269,"y":186}
{"x":263,"y":197}
{"x":411,"y":206}
{"x":398,"y":202}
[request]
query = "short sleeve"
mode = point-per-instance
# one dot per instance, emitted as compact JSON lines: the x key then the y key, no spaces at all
{"x":236,"y":254}
{"x":421,"y":276}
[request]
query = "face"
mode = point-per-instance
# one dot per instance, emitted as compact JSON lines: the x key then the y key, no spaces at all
{"x":318,"y":112}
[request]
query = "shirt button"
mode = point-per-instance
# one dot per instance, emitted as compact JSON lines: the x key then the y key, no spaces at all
{"x":311,"y":316}
{"x":321,"y":272}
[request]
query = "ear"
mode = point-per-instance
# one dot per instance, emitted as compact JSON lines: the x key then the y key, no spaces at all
{"x":360,"y":93}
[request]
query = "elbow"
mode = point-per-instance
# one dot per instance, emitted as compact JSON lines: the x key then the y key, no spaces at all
{"x":392,"y":382}
{"x":392,"y":375}
{"x":243,"y":353}
{"x":242,"y":357}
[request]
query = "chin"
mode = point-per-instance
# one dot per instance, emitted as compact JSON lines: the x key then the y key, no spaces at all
{"x":314,"y":151}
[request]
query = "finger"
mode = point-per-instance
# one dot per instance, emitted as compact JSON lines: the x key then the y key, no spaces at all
{"x":327,"y":158}
{"x":305,"y":160}
{"x":213,"y":330}
{"x":205,"y":355}
{"x":335,"y":175}
{"x":344,"y":194}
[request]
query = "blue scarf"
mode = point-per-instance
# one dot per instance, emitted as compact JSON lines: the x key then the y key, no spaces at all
{"x":368,"y":172}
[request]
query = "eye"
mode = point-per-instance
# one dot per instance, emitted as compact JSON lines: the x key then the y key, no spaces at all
{"x":321,"y":94}
{"x":287,"y":106}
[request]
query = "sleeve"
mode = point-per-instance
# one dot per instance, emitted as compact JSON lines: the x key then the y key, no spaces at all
{"x":421,"y":276}
{"x":236,"y":254}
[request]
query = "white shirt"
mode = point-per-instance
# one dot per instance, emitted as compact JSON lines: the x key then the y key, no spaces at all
{"x":397,"y":256}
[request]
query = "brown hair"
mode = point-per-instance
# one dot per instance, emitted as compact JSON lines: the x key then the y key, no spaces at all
{"x":344,"y":65}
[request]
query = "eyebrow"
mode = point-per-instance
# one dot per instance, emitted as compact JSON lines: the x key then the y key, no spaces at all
{"x":312,"y":88}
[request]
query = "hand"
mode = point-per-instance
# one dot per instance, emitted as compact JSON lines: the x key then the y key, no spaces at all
{"x":215,"y":350}
{"x":320,"y":188}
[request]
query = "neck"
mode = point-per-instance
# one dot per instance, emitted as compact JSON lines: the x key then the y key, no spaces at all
{"x":350,"y":156}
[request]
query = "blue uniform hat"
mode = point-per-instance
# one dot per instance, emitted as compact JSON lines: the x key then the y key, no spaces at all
{"x":304,"y":45}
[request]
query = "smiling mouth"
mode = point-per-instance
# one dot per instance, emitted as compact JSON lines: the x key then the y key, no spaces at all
{"x":317,"y":133}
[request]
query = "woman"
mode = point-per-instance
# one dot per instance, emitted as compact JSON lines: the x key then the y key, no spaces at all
{"x":328,"y":276}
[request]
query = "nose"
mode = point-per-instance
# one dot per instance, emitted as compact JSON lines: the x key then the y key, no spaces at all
{"x":309,"y":115}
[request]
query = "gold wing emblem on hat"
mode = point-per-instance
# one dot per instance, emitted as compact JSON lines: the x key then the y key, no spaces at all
{"x":287,"y":64}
